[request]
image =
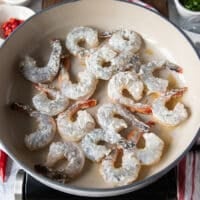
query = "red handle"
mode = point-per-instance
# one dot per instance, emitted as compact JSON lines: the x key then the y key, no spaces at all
{"x":3,"y":161}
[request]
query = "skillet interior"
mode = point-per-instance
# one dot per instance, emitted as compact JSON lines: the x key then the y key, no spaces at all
{"x":33,"y":38}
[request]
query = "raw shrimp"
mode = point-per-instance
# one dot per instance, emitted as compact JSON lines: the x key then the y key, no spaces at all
{"x":36,"y":74}
{"x":166,"y":116}
{"x":155,"y":84}
{"x":95,"y":151}
{"x":46,"y":128}
{"x":86,"y":35}
{"x":152,"y":151}
{"x":128,"y":81}
{"x":58,"y":151}
{"x":107,"y":120}
{"x":127,"y":172}
{"x":105,"y":62}
{"x":49,"y":106}
{"x":125,"y":40}
{"x":74,"y":130}
{"x":77,"y":91}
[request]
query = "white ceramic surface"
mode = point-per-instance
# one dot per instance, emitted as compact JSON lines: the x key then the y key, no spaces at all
{"x":184,"y":12}
{"x":8,"y":11}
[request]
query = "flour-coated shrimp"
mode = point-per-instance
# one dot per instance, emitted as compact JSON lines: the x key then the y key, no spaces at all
{"x":125,"y":40}
{"x":166,"y":116}
{"x":105,"y":62}
{"x":94,"y":151}
{"x":155,"y":84}
{"x":58,"y":151}
{"x":107,"y":120}
{"x":81,"y":90}
{"x":74,"y":130}
{"x":49,"y":106}
{"x":81,"y":34}
{"x":153,"y":149}
{"x":36,"y":74}
{"x":66,"y":150}
{"x":46,"y":128}
{"x":128,"y":81}
{"x":127,"y":172}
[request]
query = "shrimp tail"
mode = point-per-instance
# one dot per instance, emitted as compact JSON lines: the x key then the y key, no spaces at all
{"x":134,"y":136}
{"x":41,"y":87}
{"x":59,"y":176}
{"x":105,"y":35}
{"x":144,"y":109}
{"x":21,"y":107}
{"x":66,"y":61}
{"x":82,"y":105}
{"x":51,"y":91}
{"x":88,"y":103}
{"x":177,"y":92}
{"x":150,"y":123}
{"x":174,"y":67}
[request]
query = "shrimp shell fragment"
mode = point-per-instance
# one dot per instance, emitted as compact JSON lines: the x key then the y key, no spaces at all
{"x":45,"y":74}
{"x":116,"y":62}
{"x":152,"y":151}
{"x":127,"y":173}
{"x":81,"y":34}
{"x":125,"y":40}
{"x":69,"y":151}
{"x":169,"y":117}
{"x":90,"y":146}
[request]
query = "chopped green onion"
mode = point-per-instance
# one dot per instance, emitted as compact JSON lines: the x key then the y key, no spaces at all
{"x":193,"y":5}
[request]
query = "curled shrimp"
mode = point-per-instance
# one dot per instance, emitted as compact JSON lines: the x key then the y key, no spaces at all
{"x":46,"y":128}
{"x":78,"y":35}
{"x":125,"y":40}
{"x":36,"y":74}
{"x":49,"y":106}
{"x":74,"y":130}
{"x":128,"y":81}
{"x":83,"y":89}
{"x":153,"y":149}
{"x":166,"y":116}
{"x":127,"y":172}
{"x":105,"y":62}
{"x":94,"y":151}
{"x":155,"y":84}
{"x":58,"y":151}
{"x":107,"y":120}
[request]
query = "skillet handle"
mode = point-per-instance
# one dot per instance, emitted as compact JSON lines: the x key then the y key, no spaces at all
{"x":19,"y":185}
{"x":1,"y":42}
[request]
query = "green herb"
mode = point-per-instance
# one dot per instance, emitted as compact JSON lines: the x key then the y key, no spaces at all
{"x":193,"y":5}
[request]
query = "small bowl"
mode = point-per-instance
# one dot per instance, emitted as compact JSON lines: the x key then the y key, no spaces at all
{"x":184,"y":12}
{"x":8,"y":11}
{"x":17,"y":2}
